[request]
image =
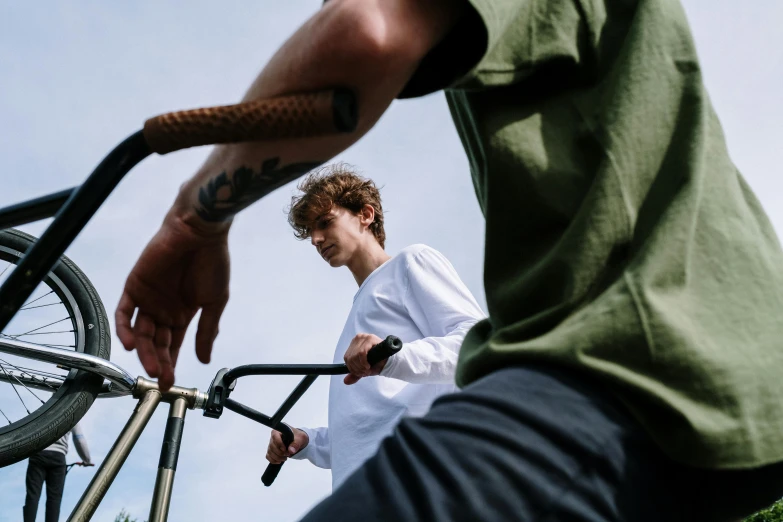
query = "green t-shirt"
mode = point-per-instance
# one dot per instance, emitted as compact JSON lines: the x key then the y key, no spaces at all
{"x":620,"y":238}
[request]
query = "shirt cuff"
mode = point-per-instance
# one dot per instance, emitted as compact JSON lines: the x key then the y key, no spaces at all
{"x":303,"y":453}
{"x":391,"y":364}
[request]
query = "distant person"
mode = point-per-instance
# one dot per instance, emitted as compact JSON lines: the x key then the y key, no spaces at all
{"x":49,"y":465}
{"x":415,"y":295}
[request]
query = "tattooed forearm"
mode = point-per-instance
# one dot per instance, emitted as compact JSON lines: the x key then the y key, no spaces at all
{"x":223,"y":196}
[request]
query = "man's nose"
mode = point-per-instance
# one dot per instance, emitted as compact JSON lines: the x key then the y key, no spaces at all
{"x":316,"y":239}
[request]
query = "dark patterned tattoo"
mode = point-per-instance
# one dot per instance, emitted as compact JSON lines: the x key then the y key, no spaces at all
{"x":224,"y":195}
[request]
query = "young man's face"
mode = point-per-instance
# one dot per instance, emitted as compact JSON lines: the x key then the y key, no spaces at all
{"x":339,"y":234}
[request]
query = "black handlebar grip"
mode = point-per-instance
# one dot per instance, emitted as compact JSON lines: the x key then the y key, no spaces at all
{"x":270,"y":474}
{"x":272,"y":470}
{"x":384,"y":350}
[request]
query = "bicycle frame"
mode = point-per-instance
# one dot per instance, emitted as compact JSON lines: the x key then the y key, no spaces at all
{"x":118,"y":382}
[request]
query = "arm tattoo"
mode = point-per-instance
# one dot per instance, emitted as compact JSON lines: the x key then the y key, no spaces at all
{"x":223,"y":196}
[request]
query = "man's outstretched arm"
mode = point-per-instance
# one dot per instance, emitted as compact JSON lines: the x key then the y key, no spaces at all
{"x":371,"y":47}
{"x":80,"y":443}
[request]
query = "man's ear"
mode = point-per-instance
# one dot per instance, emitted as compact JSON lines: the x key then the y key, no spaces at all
{"x":367,"y":215}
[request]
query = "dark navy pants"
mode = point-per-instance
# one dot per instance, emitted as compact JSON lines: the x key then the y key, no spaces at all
{"x":49,"y":467}
{"x":538,"y":444}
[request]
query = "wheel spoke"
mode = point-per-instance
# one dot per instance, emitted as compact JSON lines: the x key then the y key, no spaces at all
{"x":16,"y":336}
{"x":37,"y":311}
{"x":49,"y":345}
{"x":39,"y":306}
{"x":39,"y":344}
{"x":24,"y":385}
{"x":47,"y":333}
{"x":37,"y":299}
{"x":17,"y":392}
{"x":32,"y":375}
{"x":31,"y":371}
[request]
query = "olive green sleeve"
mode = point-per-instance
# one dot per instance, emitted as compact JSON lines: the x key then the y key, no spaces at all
{"x":502,"y":42}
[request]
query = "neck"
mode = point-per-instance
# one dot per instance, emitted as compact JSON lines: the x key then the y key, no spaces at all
{"x":361,"y":266}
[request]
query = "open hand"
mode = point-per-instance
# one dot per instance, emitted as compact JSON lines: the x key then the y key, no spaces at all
{"x":180,"y":271}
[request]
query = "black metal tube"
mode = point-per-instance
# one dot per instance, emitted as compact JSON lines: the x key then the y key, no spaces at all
{"x":247,"y":411}
{"x":291,"y":400}
{"x":383,"y":350}
{"x":284,"y":369}
{"x":67,"y":224}
{"x":167,"y":466}
{"x":34,"y":209}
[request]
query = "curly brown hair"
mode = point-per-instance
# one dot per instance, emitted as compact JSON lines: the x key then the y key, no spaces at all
{"x":336,"y":184}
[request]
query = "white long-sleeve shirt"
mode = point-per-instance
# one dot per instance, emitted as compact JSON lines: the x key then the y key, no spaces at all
{"x":61,"y":444}
{"x":417,"y":296}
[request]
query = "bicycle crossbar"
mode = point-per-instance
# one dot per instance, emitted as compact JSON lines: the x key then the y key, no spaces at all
{"x":34,"y":209}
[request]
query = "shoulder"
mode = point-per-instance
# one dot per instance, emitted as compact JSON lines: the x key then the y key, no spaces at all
{"x":421,"y":257}
{"x":419,"y":252}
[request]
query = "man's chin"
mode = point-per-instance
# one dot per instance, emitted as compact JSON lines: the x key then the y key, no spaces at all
{"x":334,"y":262}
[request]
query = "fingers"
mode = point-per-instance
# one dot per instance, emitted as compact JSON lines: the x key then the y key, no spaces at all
{"x":156,"y":344}
{"x":122,"y":318}
{"x":177,"y":336}
{"x":356,"y":361}
{"x":208,"y":330}
{"x":274,"y":458}
{"x":356,"y":356}
{"x":144,"y":334}
{"x":162,"y":348}
{"x":276,"y":441}
{"x":357,"y":367}
{"x":276,"y":452}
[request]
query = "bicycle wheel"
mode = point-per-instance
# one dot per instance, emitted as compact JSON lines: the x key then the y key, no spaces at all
{"x":40,"y":402}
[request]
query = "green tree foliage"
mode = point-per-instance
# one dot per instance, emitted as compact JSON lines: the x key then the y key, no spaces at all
{"x":124,"y":516}
{"x":774,"y":513}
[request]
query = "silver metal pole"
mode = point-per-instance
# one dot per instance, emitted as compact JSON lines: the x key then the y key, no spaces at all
{"x":122,"y":381}
{"x":169,"y":452}
{"x":111,"y":465}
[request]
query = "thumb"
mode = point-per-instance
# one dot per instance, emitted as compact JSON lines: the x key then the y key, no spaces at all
{"x":351,"y":379}
{"x":292,"y":449}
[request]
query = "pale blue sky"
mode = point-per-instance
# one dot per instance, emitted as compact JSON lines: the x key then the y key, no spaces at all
{"x":75,"y":79}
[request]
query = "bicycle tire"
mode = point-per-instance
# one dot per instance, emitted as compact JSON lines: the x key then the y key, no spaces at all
{"x":77,"y":392}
